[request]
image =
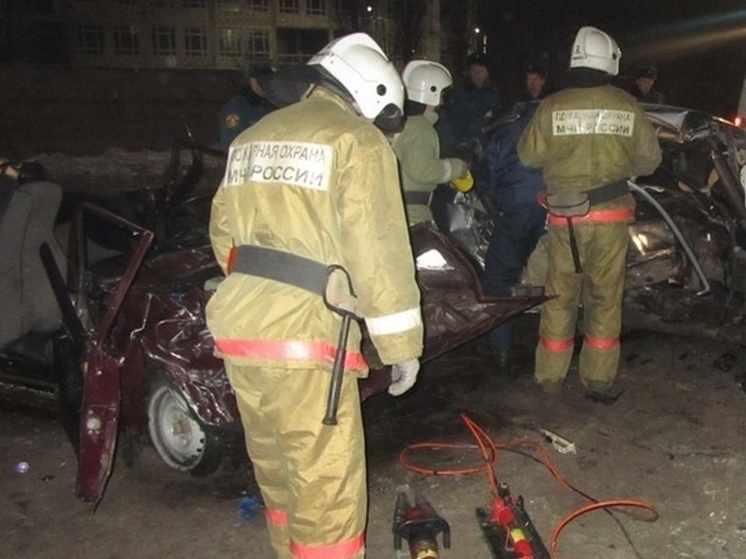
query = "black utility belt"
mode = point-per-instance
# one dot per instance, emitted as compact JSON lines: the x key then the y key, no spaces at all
{"x":417,"y":197}
{"x":270,"y":263}
{"x":574,"y":204}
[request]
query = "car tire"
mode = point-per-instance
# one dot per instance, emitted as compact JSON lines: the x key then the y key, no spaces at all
{"x":181,"y":440}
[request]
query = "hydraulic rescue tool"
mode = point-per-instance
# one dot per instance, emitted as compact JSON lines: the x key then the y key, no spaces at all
{"x":509,"y":530}
{"x":419,"y":525}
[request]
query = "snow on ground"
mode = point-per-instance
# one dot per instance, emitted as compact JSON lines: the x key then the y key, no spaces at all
{"x":115,"y":169}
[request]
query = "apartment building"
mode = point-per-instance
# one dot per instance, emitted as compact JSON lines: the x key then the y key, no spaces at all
{"x":209,"y":34}
{"x":86,"y":75}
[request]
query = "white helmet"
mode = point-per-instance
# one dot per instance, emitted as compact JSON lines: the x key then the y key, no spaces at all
{"x":361,"y":67}
{"x":595,"y":49}
{"x":425,"y":81}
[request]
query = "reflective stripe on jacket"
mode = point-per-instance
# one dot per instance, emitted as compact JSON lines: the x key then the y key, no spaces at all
{"x":316,"y":180}
{"x":626,"y":215}
{"x":287,"y":350}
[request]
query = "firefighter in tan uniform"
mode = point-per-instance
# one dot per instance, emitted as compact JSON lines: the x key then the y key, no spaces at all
{"x":589,"y":138}
{"x":310,"y":186}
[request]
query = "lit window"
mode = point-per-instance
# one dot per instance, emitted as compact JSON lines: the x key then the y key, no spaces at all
{"x":164,"y":40}
{"x":126,"y":39}
{"x":316,"y":7}
{"x":288,"y":6}
{"x":195,"y":41}
{"x":257,"y":45}
{"x":91,"y":39}
{"x":230,"y":43}
{"x":259,"y":5}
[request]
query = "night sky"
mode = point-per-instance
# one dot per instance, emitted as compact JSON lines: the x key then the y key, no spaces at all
{"x":699,"y":46}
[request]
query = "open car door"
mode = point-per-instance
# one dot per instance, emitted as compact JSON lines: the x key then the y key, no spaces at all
{"x":86,"y":348}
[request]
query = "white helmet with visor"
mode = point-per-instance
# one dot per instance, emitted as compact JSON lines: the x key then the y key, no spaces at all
{"x":595,"y":49}
{"x":360,"y":66}
{"x":425,"y":81}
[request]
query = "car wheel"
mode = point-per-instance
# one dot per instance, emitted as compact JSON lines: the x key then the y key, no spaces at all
{"x":180,"y":439}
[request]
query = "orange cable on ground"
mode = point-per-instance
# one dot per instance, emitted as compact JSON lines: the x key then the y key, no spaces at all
{"x":489,"y":452}
{"x":597,"y":505}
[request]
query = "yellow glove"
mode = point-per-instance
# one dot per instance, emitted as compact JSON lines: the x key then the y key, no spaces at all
{"x":465,"y":183}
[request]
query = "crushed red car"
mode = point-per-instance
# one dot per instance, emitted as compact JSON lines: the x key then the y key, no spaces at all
{"x":135,"y":354}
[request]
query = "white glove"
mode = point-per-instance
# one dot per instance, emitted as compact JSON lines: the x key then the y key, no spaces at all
{"x":403,"y":376}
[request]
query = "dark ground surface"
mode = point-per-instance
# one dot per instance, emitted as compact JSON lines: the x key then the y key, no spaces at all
{"x":674,"y":439}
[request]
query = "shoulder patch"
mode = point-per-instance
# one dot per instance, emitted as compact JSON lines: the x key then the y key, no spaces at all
{"x":231,"y":121}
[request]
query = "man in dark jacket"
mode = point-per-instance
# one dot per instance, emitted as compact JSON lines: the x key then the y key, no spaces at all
{"x":511,"y":189}
{"x":535,"y":82}
{"x":466,"y":110}
{"x":644,"y":86}
{"x":248,"y":106}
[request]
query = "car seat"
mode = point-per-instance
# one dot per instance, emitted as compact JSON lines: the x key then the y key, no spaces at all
{"x":28,"y":303}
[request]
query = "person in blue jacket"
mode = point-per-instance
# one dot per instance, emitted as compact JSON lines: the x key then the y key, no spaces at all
{"x":511,"y":190}
{"x":248,"y":106}
{"x":466,"y":110}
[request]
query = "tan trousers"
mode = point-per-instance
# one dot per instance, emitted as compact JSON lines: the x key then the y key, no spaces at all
{"x":602,"y":249}
{"x":312,"y":476}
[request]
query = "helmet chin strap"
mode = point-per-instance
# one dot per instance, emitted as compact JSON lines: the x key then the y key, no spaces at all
{"x":431,"y":114}
{"x":332,"y":84}
{"x":358,"y":111}
{"x":342,"y":92}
